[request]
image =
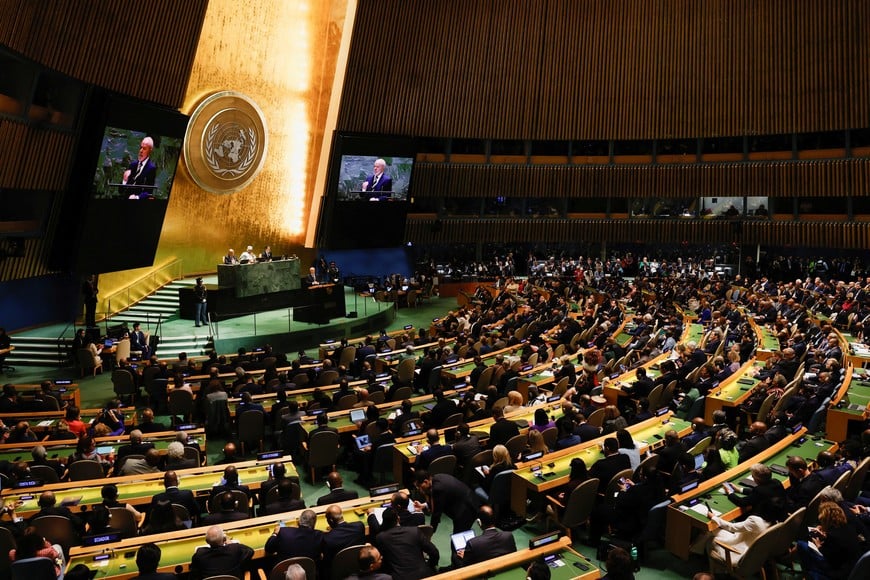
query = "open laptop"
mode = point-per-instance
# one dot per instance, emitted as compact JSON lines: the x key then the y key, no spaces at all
{"x":458,"y":541}
{"x":357,"y":415}
{"x":362,"y":441}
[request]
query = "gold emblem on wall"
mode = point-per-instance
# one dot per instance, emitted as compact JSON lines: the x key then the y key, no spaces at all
{"x":226,"y":141}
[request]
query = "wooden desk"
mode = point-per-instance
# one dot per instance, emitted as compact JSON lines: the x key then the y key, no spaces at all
{"x":733,"y":391}
{"x":684,"y":523}
{"x":556,"y":466}
{"x":140,"y":489}
{"x":178,"y":547}
{"x":61,"y":450}
{"x":767,"y":342}
{"x":850,"y":406}
{"x":513,"y":566}
{"x":69,"y":393}
{"x":43,"y":422}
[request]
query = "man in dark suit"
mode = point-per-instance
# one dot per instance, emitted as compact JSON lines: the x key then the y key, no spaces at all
{"x":673,"y":454}
{"x":402,"y":547}
{"x":756,"y":443}
{"x":502,"y":430}
{"x":434,"y":451}
{"x":295,"y":542}
{"x":143,"y":171}
{"x":612,"y":463}
{"x":227,"y":511}
{"x":220,"y":557}
{"x":627,"y":513}
{"x":148,"y":560}
{"x":47,"y":507}
{"x":230,"y":482}
{"x":378,"y":181}
{"x":803,"y":484}
{"x":174,"y":495}
{"x":285,"y":501}
{"x":370,"y":561}
{"x":135,"y":447}
{"x":492,"y":543}
{"x":400,"y":502}
{"x":584,"y":430}
{"x":138,"y":342}
{"x":443,"y":408}
{"x":767,"y":499}
{"x":698,"y":434}
{"x":466,"y":445}
{"x":337,"y":493}
{"x":446,"y":495}
{"x":341,"y":535}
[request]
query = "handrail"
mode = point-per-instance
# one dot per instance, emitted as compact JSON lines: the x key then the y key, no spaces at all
{"x":140,"y":288}
{"x":61,"y":352}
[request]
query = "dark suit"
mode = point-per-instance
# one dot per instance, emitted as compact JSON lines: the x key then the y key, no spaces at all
{"x":587,"y":432}
{"x":295,"y":542}
{"x":181,"y":497}
{"x":337,"y":495}
{"x":62,"y":511}
{"x":343,"y":535}
{"x":223,"y":517}
{"x":752,"y":447}
{"x":406,"y":519}
{"x":455,"y":499}
{"x":766,"y":500}
{"x":605,"y":468}
{"x":385,"y":183}
{"x":672,"y":455}
{"x":146,"y":176}
{"x":501,"y":432}
{"x":401,"y":548}
{"x":431,"y":454}
{"x":132,"y":449}
{"x":491,"y":544}
{"x":466,"y":448}
{"x":227,"y":559}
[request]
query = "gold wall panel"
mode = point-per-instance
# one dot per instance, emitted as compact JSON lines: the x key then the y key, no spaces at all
{"x":282,"y":55}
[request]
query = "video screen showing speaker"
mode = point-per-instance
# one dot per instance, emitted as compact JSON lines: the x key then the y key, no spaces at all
{"x":128,"y":151}
{"x":369,"y":192}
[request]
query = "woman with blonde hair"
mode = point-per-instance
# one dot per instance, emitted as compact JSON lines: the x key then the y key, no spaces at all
{"x":536,"y":443}
{"x":515,"y":402}
{"x":501,"y":461}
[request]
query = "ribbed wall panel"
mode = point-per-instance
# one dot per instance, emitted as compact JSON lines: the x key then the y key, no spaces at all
{"x":430,"y":230}
{"x":605,"y":69}
{"x":814,"y":178}
{"x":137,"y":49}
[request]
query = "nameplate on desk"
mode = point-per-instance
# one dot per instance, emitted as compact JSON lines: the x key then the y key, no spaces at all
{"x":553,"y":398}
{"x":525,"y":368}
{"x":532,"y":456}
{"x":796,"y":428}
{"x":382,"y":376}
{"x":662,"y":411}
{"x":746,"y":381}
{"x":28,"y":483}
{"x":544,"y":540}
{"x":63,"y":381}
{"x":384,"y":489}
{"x":186,"y":427}
{"x":270,"y":455}
{"x":410,"y":326}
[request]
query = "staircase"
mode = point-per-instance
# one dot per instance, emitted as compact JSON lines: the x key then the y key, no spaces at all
{"x":162,"y":305}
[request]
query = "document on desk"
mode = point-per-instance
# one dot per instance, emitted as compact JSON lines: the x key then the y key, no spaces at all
{"x":701,"y":509}
{"x":47,"y":423}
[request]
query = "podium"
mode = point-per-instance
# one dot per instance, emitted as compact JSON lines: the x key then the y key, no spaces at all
{"x":323,"y":303}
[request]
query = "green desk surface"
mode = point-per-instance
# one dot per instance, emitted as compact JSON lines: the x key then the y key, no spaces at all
{"x":139,"y":489}
{"x":63,"y":450}
{"x":858,"y":394}
{"x":767,"y":340}
{"x":178,"y":547}
{"x":716,"y":496}
{"x":738,"y":386}
{"x":564,"y":565}
{"x":648,"y":433}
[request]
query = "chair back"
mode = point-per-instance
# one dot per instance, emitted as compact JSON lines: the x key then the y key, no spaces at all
{"x":217,"y":418}
{"x":273,"y":496}
{"x":57,"y":530}
{"x":484,"y":380}
{"x":477,"y":460}
{"x":7,"y":542}
{"x":86,"y":361}
{"x":180,"y":403}
{"x":122,"y":382}
{"x":758,"y":552}
{"x":44,"y":472}
{"x":843,"y":481}
{"x":382,"y":462}
{"x":252,"y":429}
{"x":280,"y":569}
{"x":561,"y":387}
{"x":346,"y":402}
{"x":550,"y":435}
{"x":500,"y":493}
{"x":655,"y":397}
{"x":401,"y":394}
{"x":192,"y":453}
{"x":327,"y":378}
{"x":378,"y":397}
{"x":434,"y":378}
{"x":596,"y":418}
{"x":516,"y":444}
{"x":243,"y":503}
{"x":323,"y":449}
{"x":766,"y":406}
{"x":700,"y":446}
{"x":122,"y":350}
{"x":697,"y":408}
{"x":85,"y":469}
{"x":580,"y":504}
{"x":452,"y":421}
{"x":181,"y":512}
{"x":862,"y":568}
{"x":345,"y":563}
{"x":613,"y":485}
{"x":856,"y":482}
{"x":123,"y":521}
{"x":652,"y":460}
{"x":300,"y":379}
{"x":405,"y":371}
{"x":655,"y":523}
{"x":348,"y":355}
{"x":790,"y":529}
{"x":30,"y":568}
{"x":444,"y":464}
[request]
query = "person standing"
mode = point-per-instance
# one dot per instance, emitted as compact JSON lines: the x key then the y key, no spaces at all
{"x":201,"y":316}
{"x":89,"y":293}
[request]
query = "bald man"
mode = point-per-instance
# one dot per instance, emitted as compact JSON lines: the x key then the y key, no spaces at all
{"x":47,"y":507}
{"x":222,"y":556}
{"x":341,"y":535}
{"x":756,"y":443}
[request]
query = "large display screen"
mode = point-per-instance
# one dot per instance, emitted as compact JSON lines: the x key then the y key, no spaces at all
{"x":136,"y":165}
{"x":114,"y":207}
{"x":369,"y":191}
{"x":374,"y":178}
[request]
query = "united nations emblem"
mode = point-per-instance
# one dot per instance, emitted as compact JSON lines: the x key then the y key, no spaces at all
{"x":225,"y":144}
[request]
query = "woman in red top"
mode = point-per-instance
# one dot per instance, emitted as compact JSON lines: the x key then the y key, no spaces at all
{"x":33,"y":545}
{"x":73,"y":419}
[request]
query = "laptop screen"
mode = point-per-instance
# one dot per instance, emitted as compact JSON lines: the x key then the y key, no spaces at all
{"x":699,"y":461}
{"x":357,"y":415}
{"x":362,"y":441}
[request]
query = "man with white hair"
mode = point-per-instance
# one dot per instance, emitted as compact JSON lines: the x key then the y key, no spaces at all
{"x":175,"y":458}
{"x":248,"y":256}
{"x":379,"y":181}
{"x":143,"y":171}
{"x":222,"y":556}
